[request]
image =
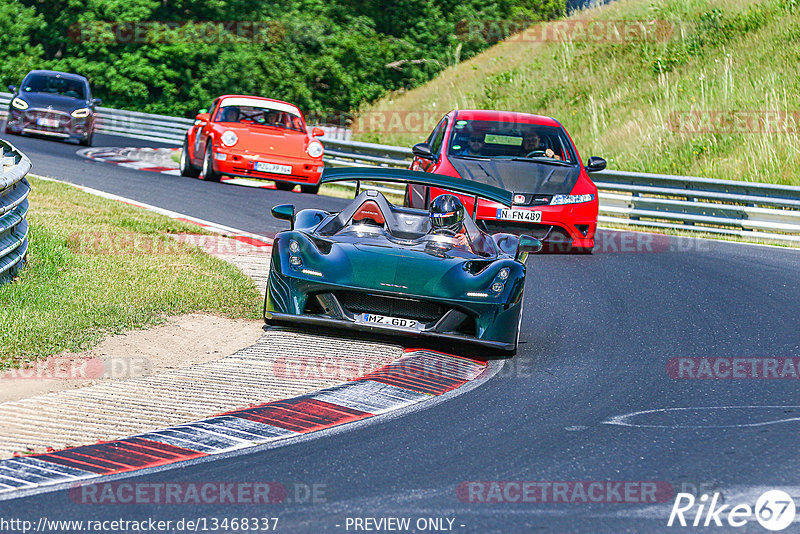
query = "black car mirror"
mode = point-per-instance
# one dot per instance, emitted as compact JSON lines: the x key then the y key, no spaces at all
{"x":527,"y":244}
{"x":424,"y":151}
{"x":97,"y":101}
{"x":595,"y":164}
{"x":284,"y":212}
{"x":12,"y":88}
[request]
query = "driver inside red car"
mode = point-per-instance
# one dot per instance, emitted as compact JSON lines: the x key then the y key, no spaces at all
{"x":229,"y":114}
{"x":532,"y":147}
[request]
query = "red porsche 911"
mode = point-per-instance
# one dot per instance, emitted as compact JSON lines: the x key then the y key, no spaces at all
{"x":255,"y":137}
{"x":529,"y":155}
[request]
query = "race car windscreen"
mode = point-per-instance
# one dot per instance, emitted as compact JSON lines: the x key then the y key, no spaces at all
{"x":54,"y":85}
{"x":263,"y":116}
{"x":509,"y":140}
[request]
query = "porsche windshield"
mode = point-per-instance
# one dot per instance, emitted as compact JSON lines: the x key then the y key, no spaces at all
{"x":54,"y":85}
{"x":510,"y":140}
{"x":263,"y":116}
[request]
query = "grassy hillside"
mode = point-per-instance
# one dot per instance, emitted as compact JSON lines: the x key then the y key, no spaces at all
{"x":629,"y":101}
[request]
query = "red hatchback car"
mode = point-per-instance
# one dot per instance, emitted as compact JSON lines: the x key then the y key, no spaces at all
{"x":255,"y":137}
{"x":529,"y":155}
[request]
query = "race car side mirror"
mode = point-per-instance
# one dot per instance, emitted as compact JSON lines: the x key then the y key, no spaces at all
{"x":595,"y":164}
{"x":317,"y":132}
{"x":12,"y":88}
{"x":424,"y":151}
{"x":205,"y":117}
{"x":527,"y":244}
{"x":97,"y":101}
{"x":285,"y":212}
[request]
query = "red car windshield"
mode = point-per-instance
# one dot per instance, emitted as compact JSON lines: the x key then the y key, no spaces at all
{"x":510,"y":140}
{"x":259,"y":115}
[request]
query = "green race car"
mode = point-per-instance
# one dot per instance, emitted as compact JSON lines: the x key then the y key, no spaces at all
{"x":380,"y":268}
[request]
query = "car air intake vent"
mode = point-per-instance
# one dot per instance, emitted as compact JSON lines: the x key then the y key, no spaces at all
{"x":358,"y":302}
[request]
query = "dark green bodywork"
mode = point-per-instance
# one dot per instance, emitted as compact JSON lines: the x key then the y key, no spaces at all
{"x":355,"y":268}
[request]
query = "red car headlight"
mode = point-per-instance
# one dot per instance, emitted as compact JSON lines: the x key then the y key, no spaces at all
{"x":315,"y":149}
{"x":229,"y":138}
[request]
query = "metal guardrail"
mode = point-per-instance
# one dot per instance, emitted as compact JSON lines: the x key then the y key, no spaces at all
{"x":724,"y":207}
{"x":14,"y":190}
{"x":747,"y":209}
{"x":149,"y":126}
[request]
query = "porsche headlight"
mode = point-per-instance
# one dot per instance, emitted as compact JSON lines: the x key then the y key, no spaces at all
{"x":229,"y":138}
{"x":19,"y":103}
{"x":560,"y":200}
{"x":315,"y":149}
{"x":81,"y":113}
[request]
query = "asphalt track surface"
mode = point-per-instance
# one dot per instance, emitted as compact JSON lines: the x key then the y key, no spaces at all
{"x":598,"y":332}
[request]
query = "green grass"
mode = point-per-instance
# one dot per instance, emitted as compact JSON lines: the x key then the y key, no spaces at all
{"x":616,"y":99}
{"x":99,"y":267}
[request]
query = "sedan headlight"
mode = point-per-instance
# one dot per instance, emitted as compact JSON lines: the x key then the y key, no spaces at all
{"x":229,"y":138}
{"x":315,"y":149}
{"x":19,"y":103}
{"x":81,"y":113}
{"x":560,"y":200}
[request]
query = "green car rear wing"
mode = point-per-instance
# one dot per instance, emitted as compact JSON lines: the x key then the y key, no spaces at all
{"x":404,"y":176}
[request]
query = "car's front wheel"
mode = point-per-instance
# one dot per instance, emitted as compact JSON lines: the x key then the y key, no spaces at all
{"x":209,"y":174}
{"x":284,"y":186}
{"x":87,"y":141}
{"x":187,"y":169}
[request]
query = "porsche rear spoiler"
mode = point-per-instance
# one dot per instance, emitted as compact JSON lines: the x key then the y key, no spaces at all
{"x":405,"y":176}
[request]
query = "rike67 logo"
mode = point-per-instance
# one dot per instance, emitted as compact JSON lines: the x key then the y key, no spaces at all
{"x":774,"y":510}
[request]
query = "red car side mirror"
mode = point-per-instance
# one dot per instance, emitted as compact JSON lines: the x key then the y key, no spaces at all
{"x":205,"y":117}
{"x":317,"y":132}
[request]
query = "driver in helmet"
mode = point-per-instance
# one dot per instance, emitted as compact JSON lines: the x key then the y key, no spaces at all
{"x":447,"y":217}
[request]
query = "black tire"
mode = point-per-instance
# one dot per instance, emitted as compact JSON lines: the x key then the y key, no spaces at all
{"x":209,"y":174}
{"x":310,"y":189}
{"x":87,"y":141}
{"x":582,"y":250}
{"x":284,"y":186}
{"x":187,"y":169}
{"x":519,"y":328}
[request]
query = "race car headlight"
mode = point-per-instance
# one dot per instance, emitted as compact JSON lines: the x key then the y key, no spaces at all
{"x":560,"y":200}
{"x":229,"y":138}
{"x":19,"y":103}
{"x":503,"y":274}
{"x":81,"y":113}
{"x":315,"y":149}
{"x":497,"y":287}
{"x":294,"y":254}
